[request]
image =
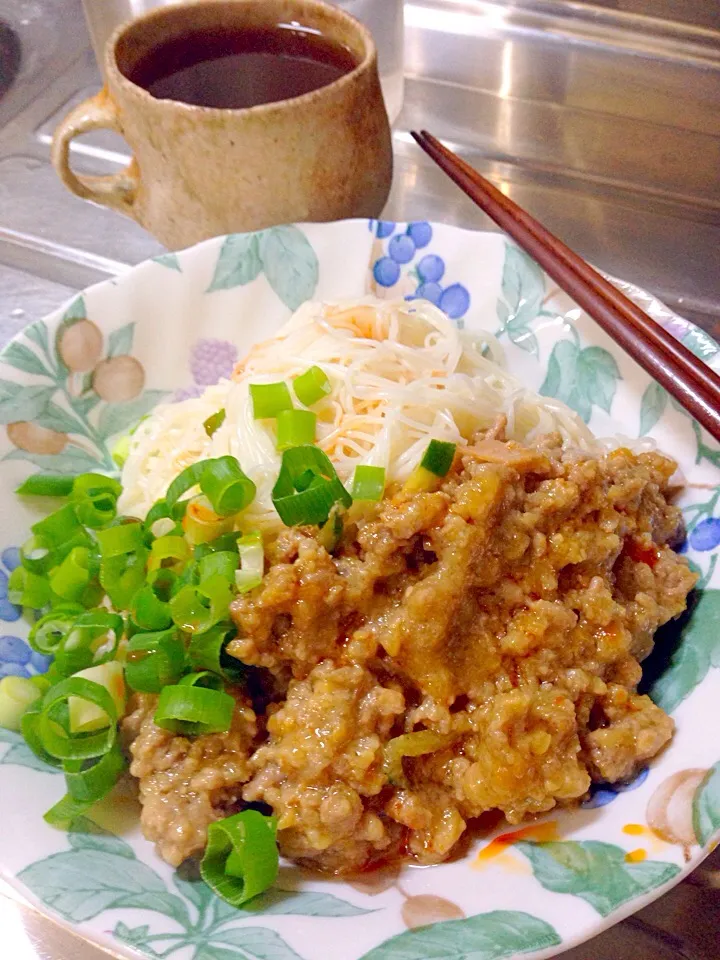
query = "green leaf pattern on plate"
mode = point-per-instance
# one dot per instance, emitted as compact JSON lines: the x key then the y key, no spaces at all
{"x":523,"y":289}
{"x":284,"y":254}
{"x":698,"y":650}
{"x":488,"y":936}
{"x":581,"y":378}
{"x":706,"y":807}
{"x":20,"y":755}
{"x":595,"y":871}
{"x":652,"y":407}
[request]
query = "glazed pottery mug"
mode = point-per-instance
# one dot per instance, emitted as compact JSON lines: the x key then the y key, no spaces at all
{"x":201,"y":171}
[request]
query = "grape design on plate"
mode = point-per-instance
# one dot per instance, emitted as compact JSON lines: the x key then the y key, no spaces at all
{"x":426,"y":270}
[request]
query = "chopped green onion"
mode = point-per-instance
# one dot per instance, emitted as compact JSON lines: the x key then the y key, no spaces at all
{"x":16,"y":695}
{"x":439,"y":456}
{"x":59,"y":527}
{"x":189,"y":478}
{"x":49,"y":631}
{"x":268,"y":399}
{"x":169,"y":552}
{"x":155,"y":660}
{"x":86,"y":786}
{"x":74,"y":574}
{"x":92,"y":639}
{"x":241,"y":857}
{"x":121,"y":450}
{"x":225,"y":543}
{"x":368,"y":483}
{"x":331,"y":531}
{"x":205,"y":678}
{"x":311,"y":386}
{"x":148,"y":611}
{"x":63,"y":744}
{"x":201,"y":524}
{"x":415,"y":744}
{"x":121,"y":539}
{"x":95,"y":498}
{"x":214,"y":421}
{"x":29,"y":730}
{"x":227,"y":488}
{"x":37,"y":555}
{"x":122,"y":576}
{"x":224,"y":562}
{"x":192,"y":710}
{"x":299,"y":504}
{"x":207,"y":652}
{"x":27,"y":589}
{"x":197,"y":608}
{"x":87,"y":717}
{"x":252,"y":562}
{"x":295,"y":427}
{"x":46,"y":485}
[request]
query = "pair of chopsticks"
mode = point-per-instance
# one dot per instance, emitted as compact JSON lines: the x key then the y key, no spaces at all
{"x":693,"y":384}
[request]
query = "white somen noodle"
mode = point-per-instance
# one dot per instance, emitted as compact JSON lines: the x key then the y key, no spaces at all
{"x":401,"y":374}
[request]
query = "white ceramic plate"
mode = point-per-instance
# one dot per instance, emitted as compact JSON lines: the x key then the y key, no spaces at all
{"x":170,"y":327}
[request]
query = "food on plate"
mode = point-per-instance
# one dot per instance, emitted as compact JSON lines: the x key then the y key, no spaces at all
{"x":365,"y":591}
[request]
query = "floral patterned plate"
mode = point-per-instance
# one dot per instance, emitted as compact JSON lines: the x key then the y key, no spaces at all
{"x":72,"y":382}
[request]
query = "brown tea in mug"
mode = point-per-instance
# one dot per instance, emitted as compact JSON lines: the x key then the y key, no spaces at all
{"x":237,"y":68}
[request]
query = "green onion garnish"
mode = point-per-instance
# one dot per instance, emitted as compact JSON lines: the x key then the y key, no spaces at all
{"x":226,"y":486}
{"x":37,"y":555}
{"x":148,"y":611}
{"x":241,"y":858}
{"x":46,"y":485}
{"x":368,"y":483}
{"x":71,"y":579}
{"x":295,"y":427}
{"x":311,"y":386}
{"x":27,"y":589}
{"x":124,"y":538}
{"x":224,"y":562}
{"x":122,"y":576}
{"x":86,"y":786}
{"x":155,"y":660}
{"x":59,"y":527}
{"x":61,"y":743}
{"x":192,"y":710}
{"x":438,"y":457}
{"x":49,"y":631}
{"x":331,"y":531}
{"x":307,"y":487}
{"x":214,"y":421}
{"x":92,"y":639}
{"x":121,"y":450}
{"x":252,"y":562}
{"x":17,"y":694}
{"x":207,"y":652}
{"x":196,"y":608}
{"x":268,"y":399}
{"x":95,"y":498}
{"x":204,"y":678}
{"x":170,"y":552}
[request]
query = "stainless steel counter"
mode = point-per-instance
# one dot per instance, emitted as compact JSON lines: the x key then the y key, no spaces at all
{"x":601,"y":121}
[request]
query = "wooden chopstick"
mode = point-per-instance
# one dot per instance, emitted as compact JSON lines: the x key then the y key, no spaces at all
{"x":693,"y":384}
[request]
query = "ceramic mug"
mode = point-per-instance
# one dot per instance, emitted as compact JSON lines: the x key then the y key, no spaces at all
{"x":197,"y":172}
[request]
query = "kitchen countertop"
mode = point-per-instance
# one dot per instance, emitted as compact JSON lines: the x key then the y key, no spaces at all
{"x":601,"y":121}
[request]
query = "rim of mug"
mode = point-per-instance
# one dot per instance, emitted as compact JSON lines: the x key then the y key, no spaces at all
{"x":174,"y":9}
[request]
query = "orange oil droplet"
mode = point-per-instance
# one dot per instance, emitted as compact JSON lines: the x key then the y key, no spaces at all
{"x":635,"y":829}
{"x":636,"y":856}
{"x":540,"y":832}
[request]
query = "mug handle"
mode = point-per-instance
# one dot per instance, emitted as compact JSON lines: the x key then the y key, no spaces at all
{"x":117,"y":190}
